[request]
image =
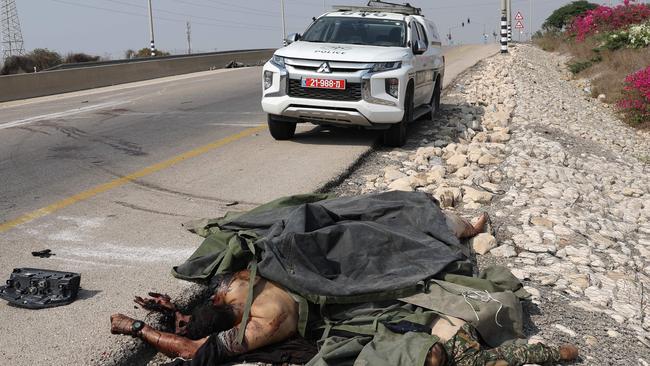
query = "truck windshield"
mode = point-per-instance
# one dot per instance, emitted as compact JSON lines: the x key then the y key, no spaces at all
{"x":363,"y":31}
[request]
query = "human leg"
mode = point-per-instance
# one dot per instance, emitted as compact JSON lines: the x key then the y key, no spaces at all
{"x":465,"y":350}
{"x":463,"y":228}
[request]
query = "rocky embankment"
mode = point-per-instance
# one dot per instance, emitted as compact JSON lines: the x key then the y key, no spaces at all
{"x":567,"y":186}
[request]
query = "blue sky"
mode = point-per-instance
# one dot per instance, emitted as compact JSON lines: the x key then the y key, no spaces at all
{"x":109,"y":27}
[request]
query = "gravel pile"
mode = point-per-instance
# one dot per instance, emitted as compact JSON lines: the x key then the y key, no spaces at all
{"x":567,"y":186}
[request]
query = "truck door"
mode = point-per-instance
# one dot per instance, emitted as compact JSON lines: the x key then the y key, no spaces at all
{"x":425,"y":66}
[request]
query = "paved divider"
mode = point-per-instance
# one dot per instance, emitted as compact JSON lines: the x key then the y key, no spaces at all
{"x":22,"y":86}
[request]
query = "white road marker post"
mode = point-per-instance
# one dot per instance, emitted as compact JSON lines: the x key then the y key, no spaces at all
{"x":509,"y":15}
{"x":504,"y":27}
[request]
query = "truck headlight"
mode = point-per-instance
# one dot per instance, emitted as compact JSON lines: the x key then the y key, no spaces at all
{"x":268,"y":79}
{"x":385,"y":66}
{"x":392,"y":87}
{"x":278,"y":61}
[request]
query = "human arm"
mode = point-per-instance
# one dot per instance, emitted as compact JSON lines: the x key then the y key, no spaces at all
{"x":156,"y":302}
{"x":170,"y":344}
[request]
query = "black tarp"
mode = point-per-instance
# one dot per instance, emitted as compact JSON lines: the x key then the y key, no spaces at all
{"x":339,"y":249}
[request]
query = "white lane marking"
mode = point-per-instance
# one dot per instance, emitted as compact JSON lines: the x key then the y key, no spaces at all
{"x":124,"y":253}
{"x":67,"y":113}
{"x":89,"y":263}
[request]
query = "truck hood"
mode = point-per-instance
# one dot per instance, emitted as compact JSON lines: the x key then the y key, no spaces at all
{"x":342,"y":52}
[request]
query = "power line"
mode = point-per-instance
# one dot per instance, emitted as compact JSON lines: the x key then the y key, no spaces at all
{"x":185,"y":15}
{"x":262,"y":12}
{"x":237,"y":25}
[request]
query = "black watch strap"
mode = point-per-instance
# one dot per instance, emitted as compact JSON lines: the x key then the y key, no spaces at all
{"x":137,"y":327}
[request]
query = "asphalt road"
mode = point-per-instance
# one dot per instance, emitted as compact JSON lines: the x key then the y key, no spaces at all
{"x":104,"y":178}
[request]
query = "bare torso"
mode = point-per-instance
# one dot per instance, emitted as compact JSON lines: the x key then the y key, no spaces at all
{"x":274,"y":312}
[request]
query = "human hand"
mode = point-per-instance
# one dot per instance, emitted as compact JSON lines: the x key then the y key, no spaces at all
{"x":121,"y":324}
{"x":156,"y":302}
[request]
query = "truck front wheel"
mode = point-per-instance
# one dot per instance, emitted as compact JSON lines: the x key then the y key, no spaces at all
{"x":281,"y":130}
{"x":395,"y":136}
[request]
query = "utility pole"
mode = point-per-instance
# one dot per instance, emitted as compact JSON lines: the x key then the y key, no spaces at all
{"x":530,"y":20}
{"x":509,"y":15}
{"x":284,"y":22}
{"x":10,"y":32}
{"x":189,"y":37}
{"x":504,"y":26}
{"x":325,"y":6}
{"x":153,"y":43}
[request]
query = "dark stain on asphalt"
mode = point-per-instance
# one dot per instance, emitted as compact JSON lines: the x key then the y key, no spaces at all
{"x":67,"y":152}
{"x":144,"y":209}
{"x":118,"y":144}
{"x":155,"y":187}
{"x":30,"y":129}
{"x":113,"y":112}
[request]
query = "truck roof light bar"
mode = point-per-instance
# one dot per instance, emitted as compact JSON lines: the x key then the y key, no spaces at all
{"x":379,"y":6}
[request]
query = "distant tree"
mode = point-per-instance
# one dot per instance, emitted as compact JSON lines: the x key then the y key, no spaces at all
{"x":44,"y":59}
{"x":74,"y":58}
{"x":562,"y":17}
{"x":129,"y":54}
{"x":17,"y":65}
{"x":145,"y":52}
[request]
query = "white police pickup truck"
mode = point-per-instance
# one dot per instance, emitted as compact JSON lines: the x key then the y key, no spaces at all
{"x":376,"y":67}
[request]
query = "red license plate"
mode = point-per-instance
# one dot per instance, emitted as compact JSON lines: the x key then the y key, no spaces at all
{"x":323,"y":83}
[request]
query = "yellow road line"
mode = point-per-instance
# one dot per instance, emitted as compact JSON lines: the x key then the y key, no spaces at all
{"x":5,"y":226}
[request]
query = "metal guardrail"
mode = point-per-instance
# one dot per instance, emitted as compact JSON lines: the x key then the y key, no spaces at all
{"x":100,"y":74}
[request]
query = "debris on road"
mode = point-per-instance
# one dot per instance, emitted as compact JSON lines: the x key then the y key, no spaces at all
{"x":46,"y":253}
{"x":234,"y":65}
{"x":33,"y":288}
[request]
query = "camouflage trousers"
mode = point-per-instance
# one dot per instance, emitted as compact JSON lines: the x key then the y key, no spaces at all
{"x":464,"y":349}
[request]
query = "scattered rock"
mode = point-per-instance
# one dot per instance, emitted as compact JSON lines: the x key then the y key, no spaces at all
{"x":473,"y":195}
{"x":457,"y":161}
{"x":402,"y":184}
{"x":391,"y":174}
{"x":565,"y":330}
{"x":483,"y":243}
{"x":505,"y":251}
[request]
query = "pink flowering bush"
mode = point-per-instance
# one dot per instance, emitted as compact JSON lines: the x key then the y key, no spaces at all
{"x":604,"y":18}
{"x":635,"y":104}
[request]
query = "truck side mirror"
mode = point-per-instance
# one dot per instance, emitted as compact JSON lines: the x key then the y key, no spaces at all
{"x":420,"y":47}
{"x":293,"y":37}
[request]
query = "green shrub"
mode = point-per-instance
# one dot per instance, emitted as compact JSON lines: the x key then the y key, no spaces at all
{"x":577,"y":67}
{"x":75,"y":58}
{"x":17,"y":65}
{"x":44,"y":59}
{"x":145,"y":52}
{"x":635,"y":36}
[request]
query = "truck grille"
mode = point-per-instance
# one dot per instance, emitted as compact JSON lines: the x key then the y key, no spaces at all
{"x":351,"y":93}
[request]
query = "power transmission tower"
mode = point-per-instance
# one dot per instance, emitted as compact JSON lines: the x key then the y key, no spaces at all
{"x":12,"y":36}
{"x":189,"y":38}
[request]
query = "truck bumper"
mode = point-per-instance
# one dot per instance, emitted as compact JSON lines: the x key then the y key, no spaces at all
{"x":375,"y":109}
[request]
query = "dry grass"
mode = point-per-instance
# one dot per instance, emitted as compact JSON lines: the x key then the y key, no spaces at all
{"x":606,"y":69}
{"x":550,"y":42}
{"x":608,"y":76}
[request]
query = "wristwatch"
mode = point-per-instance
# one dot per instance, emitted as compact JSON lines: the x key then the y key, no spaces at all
{"x":136,"y":327}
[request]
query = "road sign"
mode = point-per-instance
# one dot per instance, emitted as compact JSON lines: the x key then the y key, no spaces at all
{"x":520,"y":25}
{"x":519,"y":16}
